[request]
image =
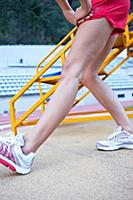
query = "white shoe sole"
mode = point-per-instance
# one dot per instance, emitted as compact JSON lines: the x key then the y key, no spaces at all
{"x":12,"y":166}
{"x":112,"y":148}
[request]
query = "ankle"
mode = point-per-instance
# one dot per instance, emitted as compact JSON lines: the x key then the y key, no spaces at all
{"x":27,"y":148}
{"x":128,"y":129}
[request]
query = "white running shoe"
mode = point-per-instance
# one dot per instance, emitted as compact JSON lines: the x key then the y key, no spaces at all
{"x":11,"y":154}
{"x":120,"y":139}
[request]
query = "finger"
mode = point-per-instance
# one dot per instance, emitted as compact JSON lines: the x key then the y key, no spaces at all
{"x":80,"y":21}
{"x":88,"y":16}
{"x":83,"y":19}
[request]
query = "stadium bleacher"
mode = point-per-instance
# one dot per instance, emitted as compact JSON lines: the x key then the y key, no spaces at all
{"x":11,"y":84}
{"x":119,"y":82}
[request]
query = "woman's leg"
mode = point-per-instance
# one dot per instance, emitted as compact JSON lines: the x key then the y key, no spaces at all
{"x":102,"y":92}
{"x":90,"y":40}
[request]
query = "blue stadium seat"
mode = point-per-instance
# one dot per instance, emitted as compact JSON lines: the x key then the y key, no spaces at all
{"x":11,"y":84}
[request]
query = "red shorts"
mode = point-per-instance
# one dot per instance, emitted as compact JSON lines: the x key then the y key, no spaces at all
{"x":115,"y":11}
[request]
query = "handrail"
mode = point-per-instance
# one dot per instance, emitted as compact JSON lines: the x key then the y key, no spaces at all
{"x":35,"y":78}
{"x":130,"y":18}
{"x":57,"y":46}
{"x":61,"y":55}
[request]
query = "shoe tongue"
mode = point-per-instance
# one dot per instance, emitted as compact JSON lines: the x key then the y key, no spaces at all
{"x":119,"y":129}
{"x":19,"y":140}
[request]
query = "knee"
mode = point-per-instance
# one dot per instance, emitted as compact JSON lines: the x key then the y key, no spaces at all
{"x":71,"y":70}
{"x":89,"y":76}
{"x":75,"y":68}
{"x":69,"y":77}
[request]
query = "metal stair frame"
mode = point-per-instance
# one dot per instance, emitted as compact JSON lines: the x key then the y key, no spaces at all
{"x":126,"y":42}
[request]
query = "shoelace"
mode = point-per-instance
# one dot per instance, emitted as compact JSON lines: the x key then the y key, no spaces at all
{"x":7,"y":143}
{"x":6,"y":151}
{"x":116,"y":133}
{"x":9,"y":138}
{"x":6,"y":147}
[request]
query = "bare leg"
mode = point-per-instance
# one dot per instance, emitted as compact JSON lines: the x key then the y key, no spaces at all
{"x":90,"y":39}
{"x":102,"y":92}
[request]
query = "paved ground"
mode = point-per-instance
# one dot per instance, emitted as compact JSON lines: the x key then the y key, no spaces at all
{"x":68,"y":167}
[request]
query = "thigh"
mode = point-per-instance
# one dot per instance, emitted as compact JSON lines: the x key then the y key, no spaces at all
{"x":89,"y":42}
{"x":93,"y":67}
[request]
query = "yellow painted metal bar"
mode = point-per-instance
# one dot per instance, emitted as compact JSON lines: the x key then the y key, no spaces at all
{"x":89,"y":118}
{"x":130,"y":43}
{"x":34,"y":79}
{"x":38,"y":103}
{"x":94,"y":112}
{"x":81,"y":98}
{"x":47,"y":79}
{"x":57,"y":46}
{"x":114,"y":54}
{"x":40,"y":73}
{"x":127,"y":34}
{"x":117,"y":66}
{"x":72,"y":35}
{"x":29,"y":123}
{"x":110,"y":58}
{"x":127,"y":40}
{"x":130,"y":18}
{"x":12,"y":117}
{"x":75,"y":120}
{"x":41,"y":95}
{"x":63,"y":58}
{"x":77,"y":113}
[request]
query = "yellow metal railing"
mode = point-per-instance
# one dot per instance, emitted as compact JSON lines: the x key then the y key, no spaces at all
{"x":123,"y":42}
{"x":37,"y":78}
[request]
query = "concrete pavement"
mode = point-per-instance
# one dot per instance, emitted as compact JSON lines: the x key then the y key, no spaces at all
{"x":68,"y":167}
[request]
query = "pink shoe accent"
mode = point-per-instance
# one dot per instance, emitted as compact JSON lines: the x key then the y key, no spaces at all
{"x":6,"y":164}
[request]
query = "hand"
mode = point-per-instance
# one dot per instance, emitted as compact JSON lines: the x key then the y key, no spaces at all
{"x":82,"y":13}
{"x":70,"y":16}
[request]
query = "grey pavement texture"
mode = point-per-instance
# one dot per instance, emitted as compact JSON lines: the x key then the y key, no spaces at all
{"x":68,"y":167}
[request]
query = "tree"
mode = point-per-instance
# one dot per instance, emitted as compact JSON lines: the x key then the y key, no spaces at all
{"x":33,"y":21}
{"x":131,"y":8}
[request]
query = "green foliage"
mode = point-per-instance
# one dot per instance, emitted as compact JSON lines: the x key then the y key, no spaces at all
{"x":32,"y":22}
{"x":131,"y":8}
